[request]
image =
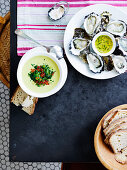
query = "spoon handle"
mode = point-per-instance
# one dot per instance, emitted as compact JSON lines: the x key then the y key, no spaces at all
{"x":22,"y":34}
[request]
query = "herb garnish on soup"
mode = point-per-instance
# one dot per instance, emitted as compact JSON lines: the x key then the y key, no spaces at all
{"x":41,"y":75}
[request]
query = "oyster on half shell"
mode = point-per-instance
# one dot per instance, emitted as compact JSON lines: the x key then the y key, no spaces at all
{"x":105,"y":17}
{"x":120,"y":63}
{"x":122,"y":42}
{"x":108,"y":62}
{"x":83,"y":56}
{"x":95,"y":62}
{"x":81,"y":33}
{"x":91,"y":22}
{"x":117,"y":28}
{"x":78,"y":44}
{"x":56,"y":13}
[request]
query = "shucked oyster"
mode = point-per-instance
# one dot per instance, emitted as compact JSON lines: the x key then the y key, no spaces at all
{"x":83,"y":55}
{"x":120,"y":63}
{"x":105,"y":18}
{"x":117,"y":28}
{"x":78,"y":44}
{"x":123,"y":45}
{"x":80,"y":33}
{"x":95,"y":62}
{"x":108,"y":63}
{"x":58,"y":10}
{"x":91,"y":22}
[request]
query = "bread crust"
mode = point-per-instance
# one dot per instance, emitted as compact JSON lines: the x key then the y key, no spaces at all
{"x":115,"y":123}
{"x":12,"y":98}
{"x":105,"y":119}
{"x":115,"y":113}
{"x":32,"y":112}
{"x":120,"y":160}
{"x":121,"y":156}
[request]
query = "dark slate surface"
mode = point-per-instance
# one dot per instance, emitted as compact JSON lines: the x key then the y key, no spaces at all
{"x":63,"y":126}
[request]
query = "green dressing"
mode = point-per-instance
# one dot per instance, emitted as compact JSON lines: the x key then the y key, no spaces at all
{"x":103,"y":44}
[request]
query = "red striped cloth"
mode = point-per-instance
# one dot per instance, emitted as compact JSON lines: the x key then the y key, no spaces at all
{"x":32,"y":18}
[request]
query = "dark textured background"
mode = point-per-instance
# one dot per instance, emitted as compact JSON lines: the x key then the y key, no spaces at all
{"x":63,"y":126}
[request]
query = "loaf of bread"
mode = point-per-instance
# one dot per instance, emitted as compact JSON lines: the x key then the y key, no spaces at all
{"x":19,"y":99}
{"x":115,"y":131}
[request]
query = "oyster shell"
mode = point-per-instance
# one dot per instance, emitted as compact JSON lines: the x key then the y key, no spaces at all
{"x":78,"y":44}
{"x":105,"y":17}
{"x":91,"y":23}
{"x":118,"y":51}
{"x":120,"y":63}
{"x":108,"y":63}
{"x":56,"y":13}
{"x":80,"y":33}
{"x":95,"y":62}
{"x":83,"y":55}
{"x":117,"y":28}
{"x":122,"y":42}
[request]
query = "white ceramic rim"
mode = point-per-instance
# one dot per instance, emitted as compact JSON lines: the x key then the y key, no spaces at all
{"x":77,"y":21}
{"x":109,"y":35}
{"x":60,"y":63}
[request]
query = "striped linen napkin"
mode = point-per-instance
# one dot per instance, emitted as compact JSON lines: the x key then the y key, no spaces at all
{"x":32,"y":18}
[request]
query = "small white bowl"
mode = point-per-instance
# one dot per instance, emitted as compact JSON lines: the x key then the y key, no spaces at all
{"x":109,"y":35}
{"x":60,"y":63}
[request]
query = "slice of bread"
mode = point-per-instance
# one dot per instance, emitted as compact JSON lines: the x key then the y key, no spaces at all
{"x":118,"y":140}
{"x":121,"y":157}
{"x":113,"y":124}
{"x":19,"y":97}
{"x":105,"y":121}
{"x":117,"y":115}
{"x":118,"y":127}
{"x":31,"y":108}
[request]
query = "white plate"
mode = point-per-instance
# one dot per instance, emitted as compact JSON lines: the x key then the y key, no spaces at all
{"x":76,"y":22}
{"x":60,"y":63}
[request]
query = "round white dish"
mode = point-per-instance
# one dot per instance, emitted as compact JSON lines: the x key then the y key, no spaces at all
{"x":76,"y":22}
{"x":60,"y":63}
{"x":109,"y":35}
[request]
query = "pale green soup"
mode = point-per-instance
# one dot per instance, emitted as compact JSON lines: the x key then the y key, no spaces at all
{"x":40,"y":60}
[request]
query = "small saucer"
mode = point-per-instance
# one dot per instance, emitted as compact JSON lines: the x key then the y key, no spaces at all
{"x":113,"y":40}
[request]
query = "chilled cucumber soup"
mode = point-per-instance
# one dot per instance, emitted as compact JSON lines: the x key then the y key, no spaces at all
{"x":103,"y":44}
{"x":40,"y":60}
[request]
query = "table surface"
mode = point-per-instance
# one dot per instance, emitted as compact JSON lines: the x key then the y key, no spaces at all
{"x":4,"y":126}
{"x":63,"y":126}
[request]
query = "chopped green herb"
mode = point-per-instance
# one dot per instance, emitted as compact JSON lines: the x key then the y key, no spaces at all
{"x":41,"y":74}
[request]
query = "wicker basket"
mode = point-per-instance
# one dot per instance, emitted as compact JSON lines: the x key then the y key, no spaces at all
{"x":5,"y":50}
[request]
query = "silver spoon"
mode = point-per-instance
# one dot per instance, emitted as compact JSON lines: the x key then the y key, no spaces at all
{"x":54,"y":49}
